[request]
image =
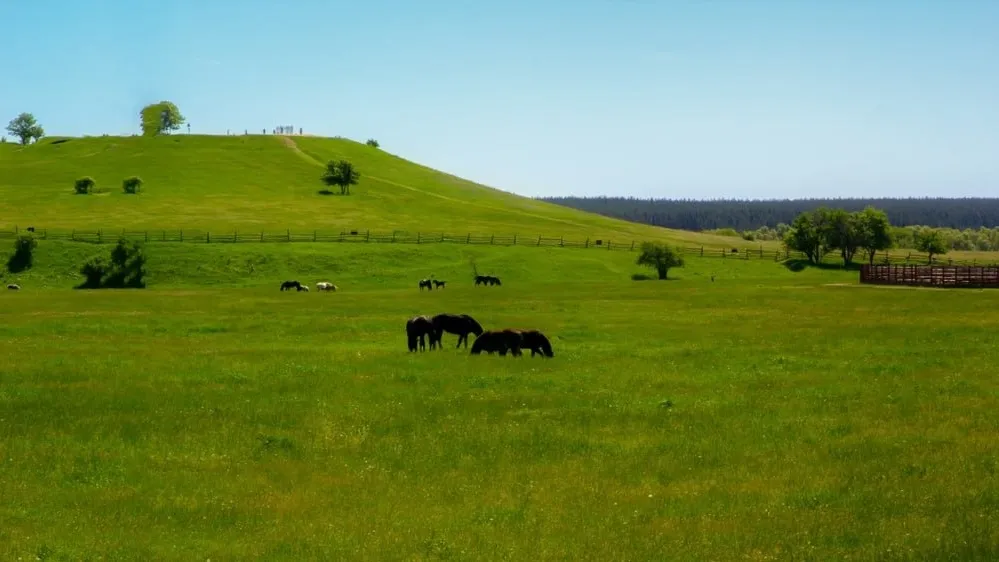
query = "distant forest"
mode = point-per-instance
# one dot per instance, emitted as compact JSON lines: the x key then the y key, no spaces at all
{"x":745,"y":215}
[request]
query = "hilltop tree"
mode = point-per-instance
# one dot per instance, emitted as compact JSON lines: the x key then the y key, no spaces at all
{"x":26,"y":128}
{"x":372,"y":143}
{"x":160,"y":118}
{"x":659,"y":257}
{"x":931,"y":241}
{"x":875,"y":231}
{"x":340,"y":173}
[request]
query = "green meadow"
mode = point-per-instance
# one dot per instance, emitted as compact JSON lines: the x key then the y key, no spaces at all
{"x":741,"y":410}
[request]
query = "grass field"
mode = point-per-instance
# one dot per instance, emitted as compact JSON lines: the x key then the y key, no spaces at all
{"x":260,"y":182}
{"x":210,"y":416}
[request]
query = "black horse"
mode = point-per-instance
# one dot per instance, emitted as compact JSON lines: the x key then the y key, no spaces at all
{"x":487,"y":280}
{"x":417,"y":328}
{"x":460,"y":324}
{"x":498,"y":341}
{"x":536,"y":342}
{"x":439,"y":284}
{"x":288,"y":285}
{"x":426,"y":283}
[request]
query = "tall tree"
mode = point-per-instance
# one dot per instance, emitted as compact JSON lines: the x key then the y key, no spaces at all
{"x":841,"y":231}
{"x":808,"y":234}
{"x":875,"y":231}
{"x":160,"y":118}
{"x":26,"y":128}
{"x":932,"y":242}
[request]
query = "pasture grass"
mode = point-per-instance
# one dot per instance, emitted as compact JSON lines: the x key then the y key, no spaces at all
{"x":769,"y":415}
{"x":258,"y":182}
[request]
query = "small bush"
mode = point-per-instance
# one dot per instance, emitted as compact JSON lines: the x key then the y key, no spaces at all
{"x":24,"y":252}
{"x":372,"y":143}
{"x":125,"y":270}
{"x":132,"y":184}
{"x":84,"y":185}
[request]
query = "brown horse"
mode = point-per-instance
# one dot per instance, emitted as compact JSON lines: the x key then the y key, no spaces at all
{"x":537,"y":343}
{"x":460,"y":324}
{"x":416,"y":328}
{"x":498,"y":341}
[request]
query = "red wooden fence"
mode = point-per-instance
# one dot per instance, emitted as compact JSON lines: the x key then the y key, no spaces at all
{"x":931,"y":275}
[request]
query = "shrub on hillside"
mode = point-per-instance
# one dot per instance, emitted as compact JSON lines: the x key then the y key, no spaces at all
{"x":125,"y":270}
{"x":372,"y":143}
{"x":23,"y":256}
{"x":132,"y":184}
{"x":84,"y":185}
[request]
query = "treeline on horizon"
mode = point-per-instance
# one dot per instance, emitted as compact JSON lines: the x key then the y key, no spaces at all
{"x":746,"y":215}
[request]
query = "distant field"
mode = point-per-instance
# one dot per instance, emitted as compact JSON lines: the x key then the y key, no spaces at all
{"x":766,"y":415}
{"x":257,"y":182}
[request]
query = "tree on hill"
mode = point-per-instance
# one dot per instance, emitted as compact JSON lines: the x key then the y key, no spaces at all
{"x":842,"y":231}
{"x":160,"y":118}
{"x":932,"y":242}
{"x":26,"y":128}
{"x":372,"y":143}
{"x":342,"y":174}
{"x":875,"y":231}
{"x":659,"y":257}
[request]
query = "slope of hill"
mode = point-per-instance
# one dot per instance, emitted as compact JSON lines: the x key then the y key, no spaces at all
{"x":258,"y":182}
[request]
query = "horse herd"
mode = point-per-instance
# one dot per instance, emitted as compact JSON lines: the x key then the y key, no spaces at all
{"x":429,"y":284}
{"x":492,"y":341}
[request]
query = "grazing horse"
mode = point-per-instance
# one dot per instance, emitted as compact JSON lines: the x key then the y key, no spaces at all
{"x":537,"y":343}
{"x":326,"y":286}
{"x":416,"y":328}
{"x":500,"y":341}
{"x":304,"y":288}
{"x":460,"y":324}
{"x":287,"y":285}
{"x":439,"y":284}
{"x":426,"y":283}
{"x":14,"y":287}
{"x":487,"y":280}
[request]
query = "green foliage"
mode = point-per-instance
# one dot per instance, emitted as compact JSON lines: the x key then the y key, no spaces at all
{"x":131,"y":184}
{"x":660,"y":257}
{"x":841,"y":230}
{"x":340,"y":173}
{"x":126,"y":268}
{"x":723,"y":232}
{"x":84,"y":185}
{"x":23,"y":256}
{"x":160,"y":118}
{"x":931,"y":241}
{"x":808,"y":234}
{"x":372,"y":143}
{"x":26,"y":128}
{"x":875,"y":231}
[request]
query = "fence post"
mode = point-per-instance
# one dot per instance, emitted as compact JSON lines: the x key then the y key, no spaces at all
{"x":539,"y":240}
{"x":442,"y":237}
{"x":181,"y":235}
{"x":147,"y":236}
{"x":514,"y":239}
{"x":289,"y":235}
{"x":72,"y":235}
{"x":702,"y":251}
{"x":491,"y":238}
{"x":587,"y":242}
{"x":367,"y":236}
{"x":468,"y":239}
{"x":632,"y":245}
{"x":98,"y":236}
{"x":417,"y":237}
{"x":341,"y":236}
{"x":393,"y":237}
{"x":561,"y":241}
{"x":208,"y":237}
{"x":608,"y":244}
{"x":315,"y":236}
{"x":261,"y":235}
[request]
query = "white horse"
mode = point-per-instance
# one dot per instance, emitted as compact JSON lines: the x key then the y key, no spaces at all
{"x":14,"y":287}
{"x":325,"y":286}
{"x":304,"y":288}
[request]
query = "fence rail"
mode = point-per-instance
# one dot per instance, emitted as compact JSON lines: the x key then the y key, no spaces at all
{"x":931,"y":275}
{"x":402,"y":237}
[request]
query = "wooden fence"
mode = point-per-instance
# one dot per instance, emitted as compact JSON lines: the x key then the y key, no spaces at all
{"x":931,"y":275}
{"x":402,"y":237}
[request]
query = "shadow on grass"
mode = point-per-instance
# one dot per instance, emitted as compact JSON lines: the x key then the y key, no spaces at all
{"x":646,"y":277}
{"x":328,"y":192}
{"x":797,"y":265}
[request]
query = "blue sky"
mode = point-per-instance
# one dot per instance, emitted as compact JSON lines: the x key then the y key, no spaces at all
{"x":686,"y":99}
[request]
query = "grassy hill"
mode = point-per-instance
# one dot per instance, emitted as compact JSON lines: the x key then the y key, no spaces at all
{"x":258,"y":182}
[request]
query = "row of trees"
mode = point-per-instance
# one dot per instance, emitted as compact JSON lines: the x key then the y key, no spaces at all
{"x":816,"y":233}
{"x":743,"y":215}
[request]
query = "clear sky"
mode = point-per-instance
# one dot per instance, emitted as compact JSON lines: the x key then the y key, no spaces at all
{"x":689,"y":99}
